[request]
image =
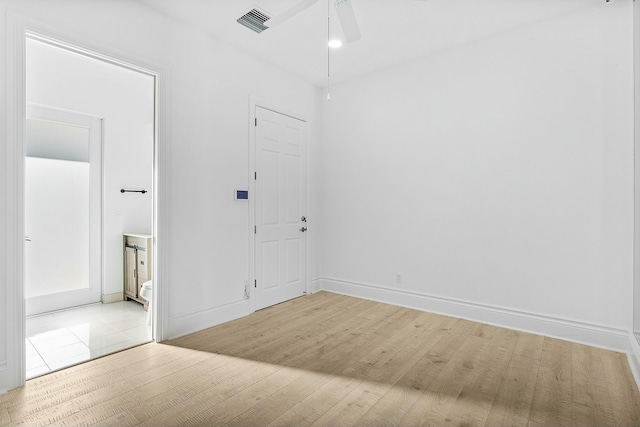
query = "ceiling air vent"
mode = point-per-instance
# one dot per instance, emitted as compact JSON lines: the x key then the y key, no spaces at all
{"x":254,"y":20}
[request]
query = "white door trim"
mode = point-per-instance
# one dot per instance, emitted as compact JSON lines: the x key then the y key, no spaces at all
{"x":253,"y":103}
{"x":18,"y":29}
{"x":15,"y":372}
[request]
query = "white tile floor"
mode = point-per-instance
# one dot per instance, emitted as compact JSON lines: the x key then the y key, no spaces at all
{"x":64,"y":338}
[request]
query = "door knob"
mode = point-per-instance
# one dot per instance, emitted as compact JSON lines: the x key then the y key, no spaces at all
{"x":303,"y":218}
{"x":303,"y":229}
{"x":27,"y":238}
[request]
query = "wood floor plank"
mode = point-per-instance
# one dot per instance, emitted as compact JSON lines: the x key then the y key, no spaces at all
{"x":89,"y":381}
{"x":261,"y":322}
{"x":273,"y":332}
{"x":512,"y":404}
{"x":269,"y":409}
{"x":445,"y":345}
{"x":5,"y":419}
{"x":528,"y":345}
{"x":147,"y":387}
{"x":246,"y":400}
{"x":241,"y":374}
{"x":324,"y":344}
{"x":590,"y":400}
{"x":584,"y":416}
{"x":442,"y":370}
{"x":314,"y":406}
{"x":122,"y":419}
{"x":46,"y":385}
{"x":391,"y":408}
{"x":353,"y":406}
{"x":400,"y":398}
{"x":38,"y":395}
{"x":357,"y":343}
{"x":182,"y":385}
{"x":620,"y":383}
{"x":381,"y":376}
{"x":300,"y":337}
{"x":475,"y":400}
{"x":552,"y":395}
{"x":332,"y":360}
{"x":445,"y":390}
{"x":398,"y":351}
{"x":104,"y":402}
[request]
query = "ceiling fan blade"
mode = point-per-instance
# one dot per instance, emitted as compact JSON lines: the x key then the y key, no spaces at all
{"x":348,"y":21}
{"x":292,"y":11}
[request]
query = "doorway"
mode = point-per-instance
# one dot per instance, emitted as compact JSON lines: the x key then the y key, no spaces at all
{"x":103,"y":189}
{"x":63,"y":210}
{"x":280,"y":207}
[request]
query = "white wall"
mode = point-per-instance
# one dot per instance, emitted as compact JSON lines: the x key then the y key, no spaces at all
{"x":204,"y":91}
{"x":634,"y":348}
{"x":210,"y":92}
{"x":636,"y":279}
{"x":125,"y":100}
{"x":496,"y":177}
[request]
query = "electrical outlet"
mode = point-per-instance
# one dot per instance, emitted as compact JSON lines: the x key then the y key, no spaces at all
{"x":398,"y":278}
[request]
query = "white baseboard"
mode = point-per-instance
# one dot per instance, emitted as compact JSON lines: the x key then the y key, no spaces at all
{"x":634,"y":358}
{"x":3,"y":375}
{"x":583,"y":333}
{"x":315,"y":285}
{"x":109,"y":298}
{"x":193,"y":322}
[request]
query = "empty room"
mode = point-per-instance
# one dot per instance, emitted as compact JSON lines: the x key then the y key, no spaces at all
{"x":358,"y":212}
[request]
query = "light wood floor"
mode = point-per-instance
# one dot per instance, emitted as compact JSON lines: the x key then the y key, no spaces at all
{"x":330,"y":360}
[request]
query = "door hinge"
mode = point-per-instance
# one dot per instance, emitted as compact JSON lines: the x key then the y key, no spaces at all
{"x":255,"y":283}
{"x":255,"y":123}
{"x":255,"y":175}
{"x":255,"y":229}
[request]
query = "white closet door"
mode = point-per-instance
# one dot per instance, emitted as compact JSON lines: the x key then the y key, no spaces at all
{"x":280,"y":235}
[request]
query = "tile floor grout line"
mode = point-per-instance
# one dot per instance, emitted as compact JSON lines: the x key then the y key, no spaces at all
{"x":41,"y":357}
{"x":106,"y":315}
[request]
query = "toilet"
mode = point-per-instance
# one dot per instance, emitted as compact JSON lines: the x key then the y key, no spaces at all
{"x":146,"y":292}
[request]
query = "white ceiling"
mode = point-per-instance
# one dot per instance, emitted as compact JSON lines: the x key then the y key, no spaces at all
{"x":393,"y":31}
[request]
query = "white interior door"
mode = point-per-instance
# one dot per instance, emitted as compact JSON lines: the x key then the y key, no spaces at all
{"x":63,"y":181}
{"x":280,"y":207}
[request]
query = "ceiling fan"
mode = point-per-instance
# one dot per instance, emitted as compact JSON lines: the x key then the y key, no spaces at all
{"x":346,"y":16}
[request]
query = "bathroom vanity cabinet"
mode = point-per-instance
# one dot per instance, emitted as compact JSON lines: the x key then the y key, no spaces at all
{"x":138,"y":259}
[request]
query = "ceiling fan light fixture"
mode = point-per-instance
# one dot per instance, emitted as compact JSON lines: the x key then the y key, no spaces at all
{"x":335,"y":43}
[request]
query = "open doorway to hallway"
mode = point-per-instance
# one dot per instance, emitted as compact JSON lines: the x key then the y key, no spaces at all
{"x":89,"y":182}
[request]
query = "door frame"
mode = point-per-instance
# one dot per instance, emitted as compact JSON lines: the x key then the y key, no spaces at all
{"x":254,"y":103}
{"x":13,"y":373}
{"x":95,"y":125}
